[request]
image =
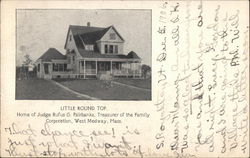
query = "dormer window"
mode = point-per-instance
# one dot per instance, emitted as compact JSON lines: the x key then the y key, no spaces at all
{"x":116,"y":49}
{"x":106,"y":49}
{"x":89,"y":47}
{"x":112,"y":36}
{"x":111,"y":49}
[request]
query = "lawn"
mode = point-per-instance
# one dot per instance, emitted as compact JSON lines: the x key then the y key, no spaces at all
{"x":141,"y":83}
{"x":94,"y":88}
{"x":38,"y":89}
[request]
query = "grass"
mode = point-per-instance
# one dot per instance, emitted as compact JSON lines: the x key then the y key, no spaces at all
{"x":94,"y":88}
{"x":38,"y":89}
{"x":141,"y":83}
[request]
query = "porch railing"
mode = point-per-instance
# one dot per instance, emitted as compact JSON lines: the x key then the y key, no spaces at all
{"x":92,"y":72}
{"x":114,"y":72}
{"x":126,"y":72}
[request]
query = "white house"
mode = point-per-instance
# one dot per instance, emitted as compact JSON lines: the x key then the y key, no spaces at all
{"x":90,"y":51}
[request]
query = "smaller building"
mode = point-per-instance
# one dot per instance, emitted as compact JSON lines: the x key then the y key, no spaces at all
{"x":51,"y":64}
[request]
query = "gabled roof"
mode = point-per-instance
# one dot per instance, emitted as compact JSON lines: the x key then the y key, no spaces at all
{"x":52,"y":54}
{"x":133,"y":55}
{"x":88,"y":35}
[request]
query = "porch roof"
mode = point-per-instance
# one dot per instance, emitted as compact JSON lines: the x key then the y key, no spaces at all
{"x":93,"y":54}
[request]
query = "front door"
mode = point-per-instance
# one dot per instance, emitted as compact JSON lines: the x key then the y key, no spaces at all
{"x":46,"y":68}
{"x":47,"y":73}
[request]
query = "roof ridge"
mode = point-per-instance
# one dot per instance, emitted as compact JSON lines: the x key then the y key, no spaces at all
{"x":93,"y":31}
{"x":86,"y":26}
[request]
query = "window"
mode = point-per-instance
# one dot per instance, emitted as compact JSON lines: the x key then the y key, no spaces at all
{"x":116,"y":49}
{"x":112,"y":36}
{"x":65,"y":67}
{"x":111,"y":49}
{"x":70,"y":37}
{"x":59,"y":67}
{"x":89,"y":47}
{"x":73,"y":59}
{"x":106,"y":49}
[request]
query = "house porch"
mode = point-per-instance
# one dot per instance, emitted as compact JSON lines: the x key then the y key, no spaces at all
{"x":95,"y":68}
{"x":89,"y":69}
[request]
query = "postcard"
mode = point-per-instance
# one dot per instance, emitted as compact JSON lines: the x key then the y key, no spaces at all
{"x":153,"y":79}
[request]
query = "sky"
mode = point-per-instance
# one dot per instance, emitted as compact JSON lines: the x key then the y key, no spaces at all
{"x":39,"y":30}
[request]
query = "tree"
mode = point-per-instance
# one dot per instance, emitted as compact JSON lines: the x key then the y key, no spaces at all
{"x":145,"y":70}
{"x":27,"y":60}
{"x":25,"y":67}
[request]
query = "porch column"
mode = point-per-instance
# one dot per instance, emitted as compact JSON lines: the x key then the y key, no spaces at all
{"x":133,"y":71}
{"x":50,"y":69}
{"x":41,"y":70}
{"x":111,"y":66}
{"x":140,"y":70}
{"x":96,"y":67}
{"x":84,"y":69}
{"x":80,"y":69}
{"x":127,"y":69}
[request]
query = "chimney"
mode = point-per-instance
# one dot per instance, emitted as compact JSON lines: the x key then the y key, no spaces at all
{"x":88,"y":24}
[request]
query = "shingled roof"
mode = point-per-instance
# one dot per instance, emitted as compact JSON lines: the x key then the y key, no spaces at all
{"x":52,"y":54}
{"x":87,"y":34}
{"x":92,"y":37}
{"x":78,"y":30}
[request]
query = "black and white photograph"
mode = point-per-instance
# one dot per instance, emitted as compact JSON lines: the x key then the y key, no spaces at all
{"x":83,"y":54}
{"x":120,"y":78}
